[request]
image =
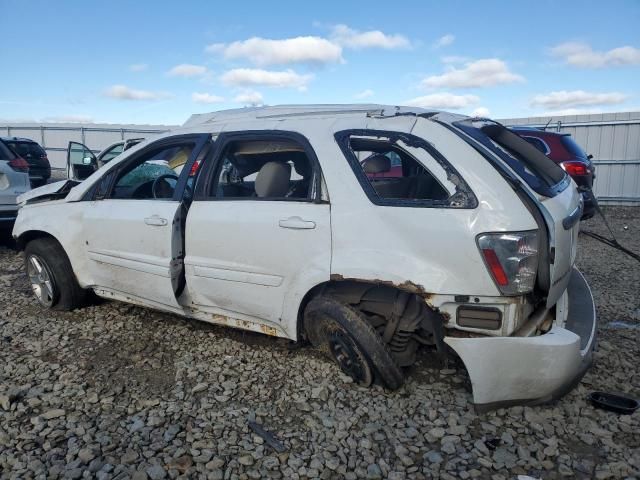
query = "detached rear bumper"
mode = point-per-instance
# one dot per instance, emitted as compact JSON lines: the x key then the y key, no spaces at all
{"x":531,"y":370}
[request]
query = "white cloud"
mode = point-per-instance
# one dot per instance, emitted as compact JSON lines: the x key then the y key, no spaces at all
{"x":582,"y":55}
{"x":454,"y":59}
{"x":576,"y":98}
{"x":264,"y":51}
{"x":249,"y":97}
{"x":138,"y":67}
{"x":480,"y":73}
{"x":122,"y":92}
{"x":248,"y":77}
{"x":350,"y":38}
{"x":444,"y":41}
{"x":444,"y":101}
{"x":480,"y":112}
{"x":206,"y":98}
{"x":69,"y":119}
{"x":187,"y":70}
{"x":364,"y":94}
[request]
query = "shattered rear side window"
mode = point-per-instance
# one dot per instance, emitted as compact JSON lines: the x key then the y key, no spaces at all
{"x":398,"y":169}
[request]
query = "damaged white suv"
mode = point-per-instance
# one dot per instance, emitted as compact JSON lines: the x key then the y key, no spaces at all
{"x":368,"y":230}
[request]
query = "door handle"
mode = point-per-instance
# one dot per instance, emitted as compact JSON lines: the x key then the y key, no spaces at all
{"x":296,"y":223}
{"x":156,"y":221}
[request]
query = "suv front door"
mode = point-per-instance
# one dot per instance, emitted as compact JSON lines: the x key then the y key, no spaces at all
{"x":134,"y":225}
{"x":81,"y":161}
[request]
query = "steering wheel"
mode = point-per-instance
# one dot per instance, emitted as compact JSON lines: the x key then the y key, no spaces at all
{"x":156,"y":183}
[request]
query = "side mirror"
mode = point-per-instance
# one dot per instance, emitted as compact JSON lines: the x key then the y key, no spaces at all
{"x":590,"y":156}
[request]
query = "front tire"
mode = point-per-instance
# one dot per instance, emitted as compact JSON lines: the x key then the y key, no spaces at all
{"x":342,"y":333}
{"x":52,"y":279}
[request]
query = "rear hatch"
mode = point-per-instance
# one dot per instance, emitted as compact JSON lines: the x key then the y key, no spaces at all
{"x":544,"y":187}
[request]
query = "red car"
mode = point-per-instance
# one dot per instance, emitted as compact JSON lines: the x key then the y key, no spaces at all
{"x":563,"y":150}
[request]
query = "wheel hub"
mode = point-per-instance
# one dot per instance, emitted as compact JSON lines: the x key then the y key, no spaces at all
{"x":41,"y":280}
{"x":346,"y":357}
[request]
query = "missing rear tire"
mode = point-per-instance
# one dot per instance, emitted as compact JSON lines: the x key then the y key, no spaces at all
{"x":344,"y":335}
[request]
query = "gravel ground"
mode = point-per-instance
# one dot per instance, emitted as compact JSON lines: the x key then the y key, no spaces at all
{"x":116,"y":391}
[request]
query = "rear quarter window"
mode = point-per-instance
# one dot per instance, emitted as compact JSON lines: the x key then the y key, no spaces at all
{"x":399,"y":169}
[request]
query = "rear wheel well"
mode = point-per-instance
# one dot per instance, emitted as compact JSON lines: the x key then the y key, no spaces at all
{"x":400,"y":315}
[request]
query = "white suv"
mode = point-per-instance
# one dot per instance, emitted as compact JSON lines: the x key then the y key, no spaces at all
{"x":368,"y":230}
{"x":14,"y":181}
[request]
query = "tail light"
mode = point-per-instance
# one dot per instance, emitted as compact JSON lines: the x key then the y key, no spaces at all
{"x":19,"y":164}
{"x":512,"y":260}
{"x":575,"y":168}
{"x":194,"y":168}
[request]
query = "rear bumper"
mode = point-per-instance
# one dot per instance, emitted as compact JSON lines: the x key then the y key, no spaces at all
{"x":508,"y":371}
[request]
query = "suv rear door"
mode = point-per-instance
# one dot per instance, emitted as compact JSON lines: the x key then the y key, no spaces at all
{"x":248,"y":251}
{"x":546,"y":185}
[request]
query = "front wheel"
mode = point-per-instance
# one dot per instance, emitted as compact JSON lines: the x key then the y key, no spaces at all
{"x":52,"y":279}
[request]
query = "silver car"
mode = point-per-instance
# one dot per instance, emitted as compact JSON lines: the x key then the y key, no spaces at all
{"x":14,"y":181}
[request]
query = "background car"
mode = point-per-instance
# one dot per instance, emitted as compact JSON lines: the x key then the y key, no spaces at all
{"x":82,"y":162}
{"x":36,"y":157}
{"x":14,"y":181}
{"x":564,"y":150}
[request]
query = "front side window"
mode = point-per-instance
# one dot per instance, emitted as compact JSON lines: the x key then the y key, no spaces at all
{"x":154,"y":175}
{"x":403,"y":170}
{"x":269,"y":169}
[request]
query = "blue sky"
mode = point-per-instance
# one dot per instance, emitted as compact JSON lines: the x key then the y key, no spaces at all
{"x":158,"y":62}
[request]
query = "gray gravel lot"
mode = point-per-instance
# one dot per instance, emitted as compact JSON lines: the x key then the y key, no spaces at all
{"x":116,"y":391}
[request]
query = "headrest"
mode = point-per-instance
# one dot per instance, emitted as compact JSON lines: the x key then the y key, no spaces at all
{"x":273,"y":180}
{"x":377,"y":163}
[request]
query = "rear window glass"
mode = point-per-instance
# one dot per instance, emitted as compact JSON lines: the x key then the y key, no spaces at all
{"x":27,"y":150}
{"x":571,"y":145}
{"x":539,"y":172}
{"x":5,"y":153}
{"x":539,"y":144}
